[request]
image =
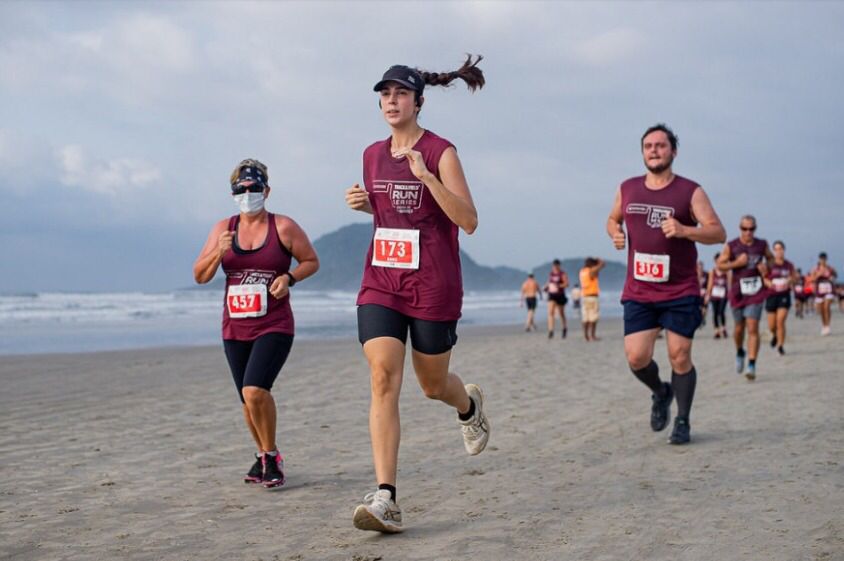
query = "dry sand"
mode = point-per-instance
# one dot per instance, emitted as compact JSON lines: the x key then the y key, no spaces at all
{"x":139,"y":455}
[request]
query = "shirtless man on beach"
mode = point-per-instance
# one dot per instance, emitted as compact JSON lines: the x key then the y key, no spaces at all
{"x":530,"y":293}
{"x":665,"y":215}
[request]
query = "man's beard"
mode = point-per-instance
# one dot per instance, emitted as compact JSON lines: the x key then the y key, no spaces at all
{"x":659,"y":168}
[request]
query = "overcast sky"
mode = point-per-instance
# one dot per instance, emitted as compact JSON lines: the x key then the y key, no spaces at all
{"x":121,"y":121}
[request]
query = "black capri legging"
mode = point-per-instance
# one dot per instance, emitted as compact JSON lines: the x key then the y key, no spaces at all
{"x":258,"y":362}
{"x":719,"y":309}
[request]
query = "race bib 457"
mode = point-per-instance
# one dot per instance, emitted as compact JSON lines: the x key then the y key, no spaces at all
{"x":246,"y":300}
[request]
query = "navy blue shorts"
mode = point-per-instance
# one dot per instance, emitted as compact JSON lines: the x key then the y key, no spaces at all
{"x":681,"y":316}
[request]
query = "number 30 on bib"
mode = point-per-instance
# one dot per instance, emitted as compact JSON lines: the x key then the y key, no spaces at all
{"x":397,"y":248}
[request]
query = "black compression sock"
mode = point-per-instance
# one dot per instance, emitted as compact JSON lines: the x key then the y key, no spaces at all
{"x":684,"y":391}
{"x":390,"y":488}
{"x":751,"y":362}
{"x":649,"y":376}
{"x":468,"y":414}
{"x":740,"y":352}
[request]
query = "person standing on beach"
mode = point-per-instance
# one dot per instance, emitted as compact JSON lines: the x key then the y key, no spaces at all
{"x":665,"y":215}
{"x":530,"y":292}
{"x":779,"y":281}
{"x":556,"y":286}
{"x":716,"y":293}
{"x":823,"y":279}
{"x":703,"y":281}
{"x":799,"y":295}
{"x":590,"y":291}
{"x":256,"y":248}
{"x":746,"y":256}
{"x":415,"y":189}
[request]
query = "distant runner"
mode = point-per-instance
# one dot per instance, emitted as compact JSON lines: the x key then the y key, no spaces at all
{"x":780,"y":279}
{"x":746,"y":256}
{"x":823,"y":279}
{"x":556,"y":286}
{"x":530,"y":292}
{"x":716,"y":293}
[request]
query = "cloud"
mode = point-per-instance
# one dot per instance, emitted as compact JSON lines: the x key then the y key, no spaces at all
{"x":610,"y":47}
{"x":109,"y":177}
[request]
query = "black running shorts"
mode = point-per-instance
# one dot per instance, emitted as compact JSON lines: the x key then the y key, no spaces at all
{"x":257,"y":363}
{"x":427,"y":337}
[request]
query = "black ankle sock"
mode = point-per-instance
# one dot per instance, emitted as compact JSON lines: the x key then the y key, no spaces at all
{"x":740,"y":352}
{"x":751,"y":362}
{"x":390,"y":488}
{"x":468,"y":414}
{"x":684,"y":391}
{"x":649,"y":376}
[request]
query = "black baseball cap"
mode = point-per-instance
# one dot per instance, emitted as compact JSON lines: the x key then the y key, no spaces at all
{"x":404,"y":75}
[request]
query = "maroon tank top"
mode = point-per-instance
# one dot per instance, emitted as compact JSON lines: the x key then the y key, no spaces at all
{"x":658,"y":268}
{"x":400,"y":201}
{"x":719,"y":286}
{"x":780,"y":276}
{"x":748,"y":276}
{"x":258,"y":266}
{"x":555,"y":282}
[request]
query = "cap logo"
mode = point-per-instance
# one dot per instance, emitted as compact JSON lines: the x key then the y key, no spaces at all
{"x":410,"y":78}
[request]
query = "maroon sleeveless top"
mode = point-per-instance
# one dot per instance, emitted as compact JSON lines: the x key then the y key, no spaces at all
{"x":644,"y":210}
{"x":257,"y":266}
{"x":780,"y":276}
{"x":555,"y":282}
{"x":399,"y":200}
{"x":719,"y":279}
{"x":755,"y":255}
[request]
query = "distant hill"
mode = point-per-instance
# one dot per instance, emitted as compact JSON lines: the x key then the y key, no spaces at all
{"x":342,"y":253}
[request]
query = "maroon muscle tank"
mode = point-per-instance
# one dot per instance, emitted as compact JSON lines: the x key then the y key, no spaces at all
{"x":780,"y":275}
{"x":399,"y":200}
{"x":644,"y":210}
{"x":755,"y":255}
{"x":719,"y":279}
{"x":257,"y":266}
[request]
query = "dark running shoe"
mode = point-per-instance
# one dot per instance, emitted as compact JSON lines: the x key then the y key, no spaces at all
{"x":256,"y":472}
{"x":773,"y":341}
{"x":661,"y":408}
{"x":781,"y":350}
{"x":681,"y":431}
{"x":565,"y":332}
{"x":273,"y":470}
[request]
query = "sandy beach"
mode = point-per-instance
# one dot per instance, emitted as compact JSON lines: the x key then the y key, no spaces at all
{"x":140,"y":455}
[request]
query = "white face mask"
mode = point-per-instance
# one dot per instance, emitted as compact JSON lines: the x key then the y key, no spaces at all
{"x":249,"y":203}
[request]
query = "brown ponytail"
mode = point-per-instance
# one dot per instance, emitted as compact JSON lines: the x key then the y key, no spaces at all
{"x":469,"y":73}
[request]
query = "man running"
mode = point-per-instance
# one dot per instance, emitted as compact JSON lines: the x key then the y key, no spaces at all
{"x":665,"y":215}
{"x":590,"y":309}
{"x":746,"y":256}
{"x":530,"y":292}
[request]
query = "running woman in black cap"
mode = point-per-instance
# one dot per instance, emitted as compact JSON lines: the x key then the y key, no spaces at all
{"x":419,"y":198}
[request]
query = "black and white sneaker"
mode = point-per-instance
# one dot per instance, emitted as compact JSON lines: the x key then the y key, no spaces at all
{"x":661,"y":408}
{"x":256,"y":472}
{"x":680,"y":435}
{"x":378,"y":513}
{"x":273,"y":475}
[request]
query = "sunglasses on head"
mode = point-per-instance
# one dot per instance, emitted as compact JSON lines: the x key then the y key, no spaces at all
{"x":239,"y":188}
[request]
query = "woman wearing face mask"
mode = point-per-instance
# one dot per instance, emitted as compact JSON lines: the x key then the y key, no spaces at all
{"x":418,"y":196}
{"x":256,"y":248}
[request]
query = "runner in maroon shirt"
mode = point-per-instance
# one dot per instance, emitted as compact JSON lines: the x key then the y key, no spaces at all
{"x":665,"y":215}
{"x":255,"y":248}
{"x":556,"y":286}
{"x":416,"y":191}
{"x":779,"y":281}
{"x":746,"y":256}
{"x":823,"y":278}
{"x":716,"y":293}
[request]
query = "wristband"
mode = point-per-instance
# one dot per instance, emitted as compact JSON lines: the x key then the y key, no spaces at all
{"x":292,"y":280}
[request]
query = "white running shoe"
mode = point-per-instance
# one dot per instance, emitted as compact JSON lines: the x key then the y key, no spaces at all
{"x":379,"y":513}
{"x":825,"y":330}
{"x":476,"y":429}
